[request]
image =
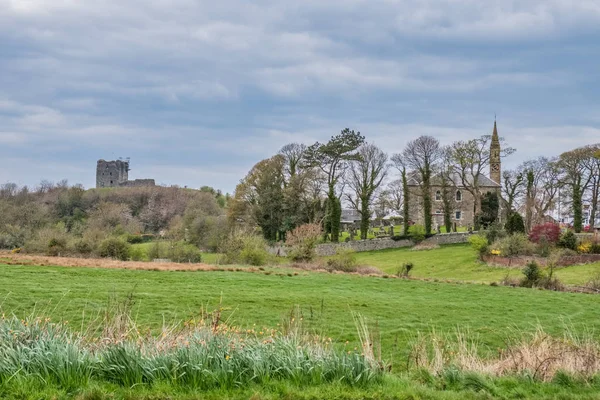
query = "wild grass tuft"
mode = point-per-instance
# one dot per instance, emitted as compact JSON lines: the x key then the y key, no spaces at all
{"x":199,"y":354}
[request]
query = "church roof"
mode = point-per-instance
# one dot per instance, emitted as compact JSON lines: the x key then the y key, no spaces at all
{"x":454,"y":180}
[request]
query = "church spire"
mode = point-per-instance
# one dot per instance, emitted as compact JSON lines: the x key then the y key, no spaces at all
{"x":495,"y":161}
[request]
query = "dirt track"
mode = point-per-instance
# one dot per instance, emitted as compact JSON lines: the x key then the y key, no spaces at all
{"x":28,"y":259}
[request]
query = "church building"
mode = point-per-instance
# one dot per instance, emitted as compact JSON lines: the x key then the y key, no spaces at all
{"x":461,"y":200}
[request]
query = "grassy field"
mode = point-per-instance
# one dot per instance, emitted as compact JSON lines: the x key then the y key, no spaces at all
{"x":460,"y":262}
{"x":398,"y":308}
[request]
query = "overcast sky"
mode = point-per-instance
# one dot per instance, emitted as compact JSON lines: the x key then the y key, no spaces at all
{"x":196,"y":92}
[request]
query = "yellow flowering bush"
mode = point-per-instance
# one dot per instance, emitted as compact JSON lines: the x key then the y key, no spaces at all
{"x":585,"y":247}
{"x":495,"y":252}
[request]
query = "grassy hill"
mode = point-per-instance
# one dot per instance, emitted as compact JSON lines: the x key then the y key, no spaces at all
{"x":460,"y":262}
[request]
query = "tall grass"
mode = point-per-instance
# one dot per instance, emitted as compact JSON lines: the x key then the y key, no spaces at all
{"x":199,"y":354}
{"x":538,"y":355}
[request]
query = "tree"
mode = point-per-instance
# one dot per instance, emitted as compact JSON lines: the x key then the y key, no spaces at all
{"x":591,"y":165}
{"x":512,"y":188}
{"x":366,"y":175}
{"x":421,"y":155}
{"x":574,"y":177}
{"x":332,"y":159}
{"x":400,"y":165}
{"x":447,"y":189}
{"x":515,"y":224}
{"x":471,"y":159}
{"x":541,"y":184}
{"x":490,"y":205}
{"x":259,"y":198}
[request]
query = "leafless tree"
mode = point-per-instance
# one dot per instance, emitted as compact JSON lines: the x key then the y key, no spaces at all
{"x":365,"y":177}
{"x":421,"y":156}
{"x":471,"y":160}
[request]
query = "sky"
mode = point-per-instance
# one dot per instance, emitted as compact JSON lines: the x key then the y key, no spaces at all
{"x":196,"y":92}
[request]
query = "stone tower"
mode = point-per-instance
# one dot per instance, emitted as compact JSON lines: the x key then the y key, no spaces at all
{"x":495,"y":161}
{"x":111,"y":173}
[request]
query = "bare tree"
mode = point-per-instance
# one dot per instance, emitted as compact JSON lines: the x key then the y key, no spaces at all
{"x":293,"y":154}
{"x":421,"y":155}
{"x":366,"y":176}
{"x":542,"y":183}
{"x":471,"y":159}
{"x":512,"y":189}
{"x":576,"y":180}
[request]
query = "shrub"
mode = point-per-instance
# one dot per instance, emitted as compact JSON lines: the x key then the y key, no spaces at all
{"x":515,"y":245}
{"x":515,"y":224}
{"x":245,"y":248}
{"x":344,"y":260}
{"x":595,"y":249}
{"x":181,"y":252}
{"x":417,"y":233}
{"x":480,"y":244}
{"x":56,"y":246}
{"x":83,"y":246}
{"x":405,"y":269}
{"x":585,"y":248}
{"x":114,"y":247}
{"x":494,"y":232}
{"x":568,"y":240}
{"x":134,"y":239}
{"x":549,"y":232}
{"x":397,"y":238}
{"x":532,"y":273}
{"x":304,"y":240}
{"x":137,"y":253}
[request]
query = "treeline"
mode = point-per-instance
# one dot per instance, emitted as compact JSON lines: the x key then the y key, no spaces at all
{"x":567,"y":184}
{"x":63,"y":219}
{"x":308,"y":184}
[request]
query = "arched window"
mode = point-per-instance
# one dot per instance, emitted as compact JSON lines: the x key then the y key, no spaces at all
{"x":438,"y":196}
{"x":458,"y":195}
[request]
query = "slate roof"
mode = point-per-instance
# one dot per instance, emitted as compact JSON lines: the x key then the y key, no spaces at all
{"x":455,"y":180}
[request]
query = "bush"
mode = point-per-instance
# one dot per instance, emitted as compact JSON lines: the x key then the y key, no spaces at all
{"x":244,"y":248}
{"x":181,"y":252}
{"x":304,"y":240}
{"x":405,"y":269}
{"x":494,"y":232}
{"x":515,"y":245}
{"x":137,"y":253}
{"x":56,"y":246}
{"x":584,"y":248}
{"x":568,"y":240}
{"x":134,"y":239}
{"x":515,"y":224}
{"x":549,"y":232}
{"x":115,"y":247}
{"x":83,"y":246}
{"x":344,"y":260}
{"x":397,"y":238}
{"x":532,"y":273}
{"x":417,"y":233}
{"x":595,"y":249}
{"x":479,"y":244}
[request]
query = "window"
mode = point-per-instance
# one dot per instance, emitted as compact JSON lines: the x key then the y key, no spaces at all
{"x":438,"y":196}
{"x":111,"y":182}
{"x":458,"y":195}
{"x":458,"y":215}
{"x":438,"y":212}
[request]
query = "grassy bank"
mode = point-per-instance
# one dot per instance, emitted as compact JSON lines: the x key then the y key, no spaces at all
{"x":460,"y":262}
{"x":398,"y":308}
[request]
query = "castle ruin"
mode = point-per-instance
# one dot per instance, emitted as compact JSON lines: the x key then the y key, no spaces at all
{"x":116,"y":174}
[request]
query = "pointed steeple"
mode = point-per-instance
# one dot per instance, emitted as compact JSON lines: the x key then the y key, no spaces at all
{"x":495,"y":161}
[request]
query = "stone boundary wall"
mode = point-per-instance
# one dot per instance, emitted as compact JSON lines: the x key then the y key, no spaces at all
{"x":329,"y":249}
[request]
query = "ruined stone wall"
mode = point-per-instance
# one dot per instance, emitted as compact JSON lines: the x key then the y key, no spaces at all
{"x":139,"y":183}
